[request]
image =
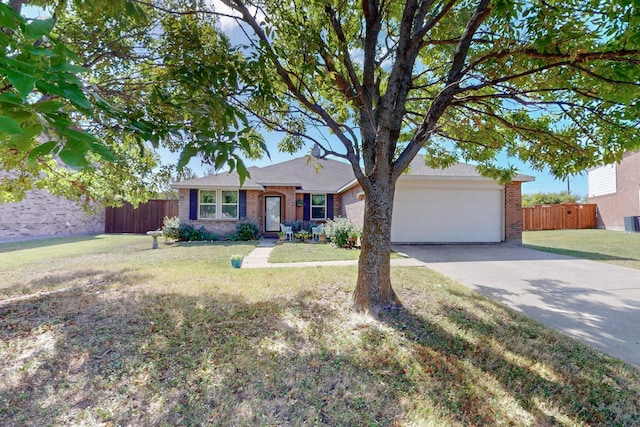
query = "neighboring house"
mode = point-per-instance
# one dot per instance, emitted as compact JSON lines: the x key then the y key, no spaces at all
{"x":452,"y":205}
{"x":616,"y":190}
{"x":41,"y":214}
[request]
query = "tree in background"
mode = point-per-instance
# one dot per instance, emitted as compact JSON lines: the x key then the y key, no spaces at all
{"x":534,"y":199}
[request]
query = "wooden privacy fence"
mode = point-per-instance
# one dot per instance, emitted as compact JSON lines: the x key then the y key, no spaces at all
{"x":146,"y":217}
{"x":559,"y":217}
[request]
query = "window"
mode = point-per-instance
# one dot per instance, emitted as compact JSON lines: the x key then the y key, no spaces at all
{"x":207,"y":204}
{"x":218,"y":204}
{"x":318,"y":206}
{"x":229,"y":205}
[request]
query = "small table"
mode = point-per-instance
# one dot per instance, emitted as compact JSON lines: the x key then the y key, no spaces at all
{"x":154,"y":234}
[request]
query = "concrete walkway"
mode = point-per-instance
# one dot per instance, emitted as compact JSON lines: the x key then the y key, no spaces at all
{"x":594,"y":302}
{"x":259,"y":258}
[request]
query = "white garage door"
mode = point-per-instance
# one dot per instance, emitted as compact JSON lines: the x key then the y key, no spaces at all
{"x":447,"y":212}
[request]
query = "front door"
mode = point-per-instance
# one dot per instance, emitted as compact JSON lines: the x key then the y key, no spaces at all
{"x":272,"y":213}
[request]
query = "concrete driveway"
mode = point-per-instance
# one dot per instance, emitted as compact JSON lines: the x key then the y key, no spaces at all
{"x":594,"y":302}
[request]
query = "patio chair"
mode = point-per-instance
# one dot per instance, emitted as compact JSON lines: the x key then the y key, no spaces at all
{"x":317,"y":231}
{"x":288,"y":231}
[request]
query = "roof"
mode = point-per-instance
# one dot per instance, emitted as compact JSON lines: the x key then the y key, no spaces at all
{"x":315,"y":175}
{"x":311,"y":175}
{"x":459,"y":171}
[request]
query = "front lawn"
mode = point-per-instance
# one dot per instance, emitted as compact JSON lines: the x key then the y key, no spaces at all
{"x":309,"y":252}
{"x":614,"y":247}
{"x":106,"y":331}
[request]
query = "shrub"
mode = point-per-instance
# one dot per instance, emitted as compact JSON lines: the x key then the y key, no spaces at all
{"x":171,"y":228}
{"x":188,"y":233}
{"x":246,"y":229}
{"x":338,"y":230}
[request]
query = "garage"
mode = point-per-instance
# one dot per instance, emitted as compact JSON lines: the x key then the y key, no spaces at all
{"x":428,"y":210}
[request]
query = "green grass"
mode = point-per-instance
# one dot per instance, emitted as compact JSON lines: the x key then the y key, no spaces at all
{"x":613,"y":247}
{"x":307,"y":252}
{"x":106,"y":331}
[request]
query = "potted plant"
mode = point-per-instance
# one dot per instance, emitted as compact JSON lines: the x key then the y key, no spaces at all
{"x":322,"y":237}
{"x":236,"y":260}
{"x":281,"y":236}
{"x":353,"y":237}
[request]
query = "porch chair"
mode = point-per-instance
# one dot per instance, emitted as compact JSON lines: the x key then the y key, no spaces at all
{"x":288,"y":231}
{"x":317,"y":231}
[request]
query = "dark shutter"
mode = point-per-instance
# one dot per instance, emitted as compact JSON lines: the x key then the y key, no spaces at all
{"x":329,"y":206}
{"x":306,"y":210}
{"x":193,"y":204}
{"x":242,"y":204}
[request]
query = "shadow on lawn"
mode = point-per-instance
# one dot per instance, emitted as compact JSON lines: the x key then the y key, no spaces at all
{"x":43,"y":242}
{"x":536,"y":369}
{"x":112,"y":356}
{"x":595,"y":256}
{"x":598,"y":317}
{"x":133,"y":358}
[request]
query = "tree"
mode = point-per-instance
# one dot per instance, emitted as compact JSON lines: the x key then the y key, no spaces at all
{"x":554,"y":84}
{"x":529,"y":200}
{"x":168,"y":73}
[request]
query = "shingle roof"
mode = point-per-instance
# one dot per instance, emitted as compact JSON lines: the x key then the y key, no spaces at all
{"x":323,"y":175}
{"x":459,"y":171}
{"x":315,"y":175}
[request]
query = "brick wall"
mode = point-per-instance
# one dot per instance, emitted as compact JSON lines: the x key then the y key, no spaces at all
{"x":352,"y":207}
{"x":41,"y":214}
{"x":612,"y":208}
{"x":513,"y":212}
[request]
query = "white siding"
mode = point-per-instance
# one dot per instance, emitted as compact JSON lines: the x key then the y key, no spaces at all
{"x":602,"y":181}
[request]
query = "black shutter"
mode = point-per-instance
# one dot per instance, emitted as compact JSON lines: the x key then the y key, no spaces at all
{"x":306,"y":212}
{"x":193,"y":204}
{"x":329,"y":206}
{"x":242,"y":204}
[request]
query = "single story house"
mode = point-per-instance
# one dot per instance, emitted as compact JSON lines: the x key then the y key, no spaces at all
{"x":452,"y":205}
{"x":615,"y":189}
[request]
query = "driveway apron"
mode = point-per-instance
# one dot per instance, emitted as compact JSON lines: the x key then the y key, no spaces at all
{"x":594,"y":302}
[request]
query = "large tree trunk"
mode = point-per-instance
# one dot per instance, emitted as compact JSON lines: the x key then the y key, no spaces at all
{"x":373,"y":290}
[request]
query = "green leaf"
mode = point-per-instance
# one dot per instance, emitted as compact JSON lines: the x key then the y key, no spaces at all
{"x":75,"y":95}
{"x":24,"y":141}
{"x":38,"y":51}
{"x":8,"y":18}
{"x":69,"y":68}
{"x":187,"y":154}
{"x":41,"y":150}
{"x":72,"y":158}
{"x":22,"y":82}
{"x":9,"y":126}
{"x":10,"y":98}
{"x":103,"y":151}
{"x":38,"y":28}
{"x":48,"y":106}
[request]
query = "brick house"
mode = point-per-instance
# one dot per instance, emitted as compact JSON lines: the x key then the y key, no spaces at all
{"x":616,"y":190}
{"x":451,"y":205}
